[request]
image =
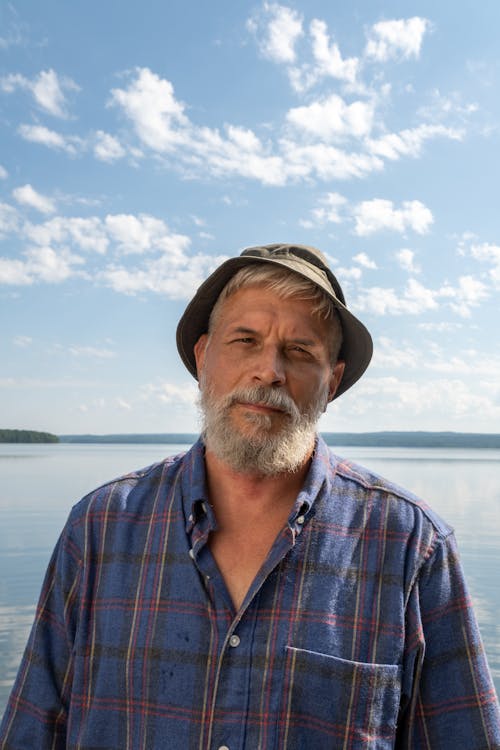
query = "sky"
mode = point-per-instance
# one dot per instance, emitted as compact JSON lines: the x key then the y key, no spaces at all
{"x":142,"y":143}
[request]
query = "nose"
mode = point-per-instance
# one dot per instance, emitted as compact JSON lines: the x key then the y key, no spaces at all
{"x":268,"y":367}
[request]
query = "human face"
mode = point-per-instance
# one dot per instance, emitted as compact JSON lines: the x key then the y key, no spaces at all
{"x":260,"y":339}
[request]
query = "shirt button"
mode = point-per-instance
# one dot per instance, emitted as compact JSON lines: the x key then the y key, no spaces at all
{"x":234,"y":641}
{"x":223,"y":747}
{"x":300,"y":519}
{"x":191,"y":554}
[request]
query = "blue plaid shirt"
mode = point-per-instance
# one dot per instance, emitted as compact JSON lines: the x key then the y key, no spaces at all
{"x":357,"y":632}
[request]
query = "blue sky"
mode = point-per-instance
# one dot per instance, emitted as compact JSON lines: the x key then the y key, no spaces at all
{"x":143,"y":143}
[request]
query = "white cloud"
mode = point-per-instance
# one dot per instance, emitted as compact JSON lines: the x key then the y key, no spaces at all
{"x":91,"y":351}
{"x":41,"y":264}
{"x":379,"y":214}
{"x":9,"y":219}
{"x":28,"y":196}
{"x":277,"y":29}
{"x":107,"y":148}
{"x":328,"y":55}
{"x":300,"y":150}
{"x":143,"y":233}
{"x":333,"y":118}
{"x":51,"y":139}
{"x":86,"y":233}
{"x":53,"y":267}
{"x":406,"y":259}
{"x":328,"y":61}
{"x":365,"y":261}
{"x":444,"y":400}
{"x":354,"y":273}
{"x":330,"y":209}
{"x":149,"y":102}
{"x":410,"y":142}
{"x":326,"y":162}
{"x":14,"y":272}
{"x":414,"y":300}
{"x":162,"y":277}
{"x":23,"y":341}
{"x":170,"y":393}
{"x":394,"y":355}
{"x":467,"y":293}
{"x":488,"y":253}
{"x":122,"y":404}
{"x":3,"y":173}
{"x":47,"y":90}
{"x":396,"y":39}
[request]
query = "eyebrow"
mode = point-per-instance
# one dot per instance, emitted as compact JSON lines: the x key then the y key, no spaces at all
{"x":293,"y":340}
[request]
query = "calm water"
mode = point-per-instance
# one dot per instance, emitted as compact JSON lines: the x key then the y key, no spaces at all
{"x":41,"y":483}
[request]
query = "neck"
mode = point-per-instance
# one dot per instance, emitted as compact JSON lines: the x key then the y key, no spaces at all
{"x":255,"y":493}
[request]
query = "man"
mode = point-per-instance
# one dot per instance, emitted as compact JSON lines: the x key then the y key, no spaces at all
{"x":256,"y":592}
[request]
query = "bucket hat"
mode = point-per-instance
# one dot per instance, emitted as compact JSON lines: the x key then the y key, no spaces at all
{"x":308,"y":262}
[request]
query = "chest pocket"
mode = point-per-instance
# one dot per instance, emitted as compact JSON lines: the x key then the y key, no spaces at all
{"x":333,"y":703}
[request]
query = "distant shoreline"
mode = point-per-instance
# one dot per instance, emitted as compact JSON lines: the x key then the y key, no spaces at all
{"x":388,"y":439}
{"x":383,"y":439}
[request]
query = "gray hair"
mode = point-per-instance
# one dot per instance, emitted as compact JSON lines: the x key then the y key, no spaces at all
{"x":286,"y":284}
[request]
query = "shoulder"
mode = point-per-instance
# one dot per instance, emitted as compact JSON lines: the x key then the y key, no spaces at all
{"x":131,"y":492}
{"x":370,"y":487}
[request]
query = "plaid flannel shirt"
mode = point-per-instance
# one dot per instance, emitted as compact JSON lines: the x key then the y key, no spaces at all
{"x":356,"y":633}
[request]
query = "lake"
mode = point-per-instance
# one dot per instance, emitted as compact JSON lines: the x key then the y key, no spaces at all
{"x":40,"y":483}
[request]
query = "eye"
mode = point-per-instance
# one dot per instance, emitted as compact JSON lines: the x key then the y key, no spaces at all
{"x":295,"y":350}
{"x":243,"y":340}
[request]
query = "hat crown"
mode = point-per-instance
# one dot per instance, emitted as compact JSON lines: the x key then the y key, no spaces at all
{"x":301,"y":253}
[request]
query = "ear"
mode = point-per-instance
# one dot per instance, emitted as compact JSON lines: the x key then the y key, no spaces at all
{"x":335,"y":379}
{"x":199,"y":352}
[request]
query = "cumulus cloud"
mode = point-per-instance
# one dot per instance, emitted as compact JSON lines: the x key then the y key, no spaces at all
{"x":410,"y":142}
{"x":414,"y":299}
{"x":488,"y":253}
{"x":47,"y":89}
{"x":107,"y":148}
{"x":379,"y":214}
{"x":466,"y":293}
{"x":143,"y":233}
{"x":406,"y":259}
{"x":46,"y":137}
{"x":371,"y":216}
{"x":327,"y":61}
{"x":331,"y":209}
{"x":3,"y":173}
{"x":443,"y":400}
{"x":170,"y":393}
{"x":332,"y":118}
{"x":86,"y":233}
{"x":365,"y":261}
{"x":277,"y":29}
{"x":160,"y":276}
{"x":41,"y":264}
{"x":28,"y":196}
{"x":9,"y":220}
{"x":396,"y":39}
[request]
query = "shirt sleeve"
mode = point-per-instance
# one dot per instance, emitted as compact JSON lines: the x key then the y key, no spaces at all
{"x":449,"y":700}
{"x":37,"y":711}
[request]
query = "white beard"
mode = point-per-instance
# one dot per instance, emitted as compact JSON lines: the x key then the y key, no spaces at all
{"x":265,"y":449}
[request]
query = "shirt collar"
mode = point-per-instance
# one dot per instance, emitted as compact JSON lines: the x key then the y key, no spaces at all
{"x":195,"y":495}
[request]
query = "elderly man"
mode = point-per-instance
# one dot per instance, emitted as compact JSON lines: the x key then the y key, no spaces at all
{"x":256,"y":592}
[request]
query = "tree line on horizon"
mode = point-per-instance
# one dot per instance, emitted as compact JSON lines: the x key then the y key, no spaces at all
{"x":27,"y":436}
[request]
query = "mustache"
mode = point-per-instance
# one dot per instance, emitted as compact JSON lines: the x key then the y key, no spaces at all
{"x":261,"y":395}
